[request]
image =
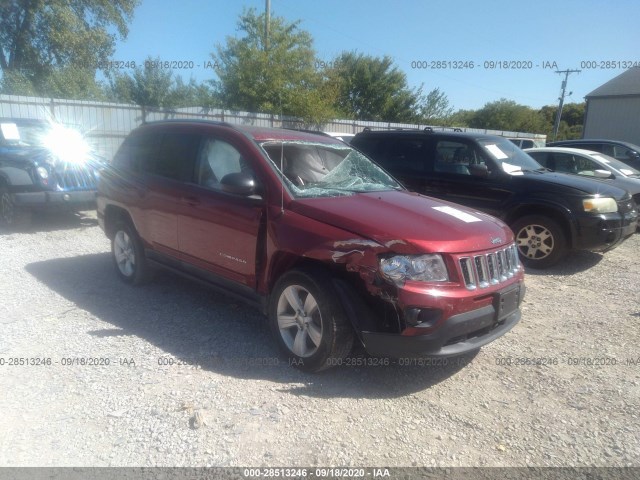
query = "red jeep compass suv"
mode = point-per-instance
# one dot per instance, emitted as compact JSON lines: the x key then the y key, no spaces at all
{"x":328,"y":245}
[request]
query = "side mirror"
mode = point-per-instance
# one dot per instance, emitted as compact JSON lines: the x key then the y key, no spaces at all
{"x":602,"y":174}
{"x":633,"y":154}
{"x":479,"y":170}
{"x":238,"y":183}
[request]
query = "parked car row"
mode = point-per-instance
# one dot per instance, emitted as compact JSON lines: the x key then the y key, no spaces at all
{"x":418,"y":252}
{"x":626,"y":152}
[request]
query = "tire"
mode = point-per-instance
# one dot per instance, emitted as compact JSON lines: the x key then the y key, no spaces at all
{"x":308,"y":321}
{"x":12,"y":216}
{"x":541,"y":241}
{"x":128,"y":255}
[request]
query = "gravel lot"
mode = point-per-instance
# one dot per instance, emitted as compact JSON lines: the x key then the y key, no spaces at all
{"x":182,"y":387}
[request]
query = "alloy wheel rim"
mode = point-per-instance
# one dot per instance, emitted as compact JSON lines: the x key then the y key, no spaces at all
{"x":124,"y":253}
{"x":535,"y":242}
{"x":299,"y":321}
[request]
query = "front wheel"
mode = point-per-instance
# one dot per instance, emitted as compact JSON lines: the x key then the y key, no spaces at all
{"x":308,"y":320}
{"x":541,"y":241}
{"x":11,"y":215}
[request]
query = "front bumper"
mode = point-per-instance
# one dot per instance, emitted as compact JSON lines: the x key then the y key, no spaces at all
{"x":458,"y":334}
{"x":51,"y":199}
{"x":604,"y":232}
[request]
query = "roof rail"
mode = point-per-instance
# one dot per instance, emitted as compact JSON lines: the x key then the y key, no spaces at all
{"x":306,"y":130}
{"x":191,"y":120}
{"x":428,"y":129}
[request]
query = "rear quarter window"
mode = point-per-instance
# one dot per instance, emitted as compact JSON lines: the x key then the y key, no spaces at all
{"x":167,"y":154}
{"x":135,"y":150}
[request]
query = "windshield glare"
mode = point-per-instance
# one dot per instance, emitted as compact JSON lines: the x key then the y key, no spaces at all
{"x":510,"y":158}
{"x":326,"y":170}
{"x":23,"y":134}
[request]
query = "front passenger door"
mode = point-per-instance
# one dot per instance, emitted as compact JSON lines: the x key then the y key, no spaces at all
{"x":218,"y":231}
{"x":451,"y":163}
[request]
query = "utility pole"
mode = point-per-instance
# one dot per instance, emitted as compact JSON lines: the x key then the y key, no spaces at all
{"x":556,"y":124}
{"x":267,"y":22}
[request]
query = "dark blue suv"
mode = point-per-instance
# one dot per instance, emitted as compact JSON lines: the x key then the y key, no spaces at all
{"x":43,"y":165}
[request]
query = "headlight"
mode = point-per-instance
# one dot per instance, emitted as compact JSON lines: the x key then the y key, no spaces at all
{"x":42,"y":172}
{"x":600,"y":205}
{"x":421,"y":268}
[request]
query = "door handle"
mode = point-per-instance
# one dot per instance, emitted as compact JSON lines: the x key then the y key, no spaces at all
{"x":192,"y":201}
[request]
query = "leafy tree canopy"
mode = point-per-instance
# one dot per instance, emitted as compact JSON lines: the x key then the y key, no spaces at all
{"x":156,"y":87}
{"x":53,"y":47}
{"x":277,"y":75}
{"x":373,"y":88}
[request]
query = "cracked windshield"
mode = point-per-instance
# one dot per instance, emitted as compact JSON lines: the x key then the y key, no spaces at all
{"x":324,"y":170}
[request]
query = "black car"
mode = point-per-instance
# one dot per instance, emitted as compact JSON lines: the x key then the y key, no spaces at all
{"x":549,"y":212}
{"x":626,"y":152}
{"x":43,"y":165}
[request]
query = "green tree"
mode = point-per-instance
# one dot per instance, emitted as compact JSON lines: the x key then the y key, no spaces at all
{"x":508,"y":115}
{"x":149,"y":86}
{"x":278,"y":76}
{"x":372,"y":88}
{"x":571,"y":121}
{"x":435,"y":108}
{"x":52,"y":47}
{"x":461,"y":118}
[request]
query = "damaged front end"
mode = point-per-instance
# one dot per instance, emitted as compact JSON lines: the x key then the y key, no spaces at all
{"x":408,"y":305}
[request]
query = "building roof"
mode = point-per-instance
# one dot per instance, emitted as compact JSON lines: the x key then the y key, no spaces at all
{"x":627,"y":83}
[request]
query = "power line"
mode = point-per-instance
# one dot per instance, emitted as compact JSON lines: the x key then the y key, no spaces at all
{"x":556,"y":124}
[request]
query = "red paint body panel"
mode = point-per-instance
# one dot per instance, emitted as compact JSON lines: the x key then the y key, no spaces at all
{"x":252,"y":241}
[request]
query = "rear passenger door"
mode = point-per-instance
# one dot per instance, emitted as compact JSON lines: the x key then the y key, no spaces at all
{"x":152,"y":167}
{"x":218,"y":231}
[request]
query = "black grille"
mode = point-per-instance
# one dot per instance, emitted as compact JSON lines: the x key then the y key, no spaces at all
{"x":76,"y":178}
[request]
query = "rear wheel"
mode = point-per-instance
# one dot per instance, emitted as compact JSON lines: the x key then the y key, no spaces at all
{"x":128,"y":254}
{"x":11,"y":215}
{"x":541,"y":241}
{"x":308,"y":320}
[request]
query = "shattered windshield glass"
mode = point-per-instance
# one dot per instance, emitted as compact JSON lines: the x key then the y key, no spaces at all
{"x":326,"y":170}
{"x":510,"y":158}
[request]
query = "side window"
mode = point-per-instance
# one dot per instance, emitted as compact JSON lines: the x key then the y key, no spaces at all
{"x":586,"y":166}
{"x":405,"y":155}
{"x":173,"y":156}
{"x":565,"y":163}
{"x":216,"y":159}
{"x":135,"y":150}
{"x":371,"y":147}
{"x":455,"y":157}
{"x":620,"y":152}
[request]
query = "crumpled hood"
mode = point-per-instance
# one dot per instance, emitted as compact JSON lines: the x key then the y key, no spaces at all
{"x":408,"y":222}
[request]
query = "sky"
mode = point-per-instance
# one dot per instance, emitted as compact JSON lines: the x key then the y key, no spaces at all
{"x":515,"y":46}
